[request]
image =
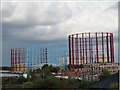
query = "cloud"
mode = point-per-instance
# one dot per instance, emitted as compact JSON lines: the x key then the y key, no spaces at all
{"x":33,"y":20}
{"x":52,"y":21}
{"x":36,"y":14}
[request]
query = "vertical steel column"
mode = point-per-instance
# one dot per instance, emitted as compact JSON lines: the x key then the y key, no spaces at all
{"x":43,"y":55}
{"x":103,"y":47}
{"x":86,"y":49}
{"x":11,"y":59}
{"x":69,"y":42}
{"x":27,"y":59}
{"x":73,"y":49}
{"x":89,"y":49}
{"x":46,"y":55}
{"x":83,"y":47}
{"x":112,"y":47}
{"x":96,"y":47}
{"x":19,"y":58}
{"x":77,"y":52}
{"x":30,"y":55}
{"x":16,"y":59}
{"x":107,"y":43}
{"x":80,"y":53}
{"x":24,"y":59}
{"x":39,"y":55}
{"x":34,"y":57}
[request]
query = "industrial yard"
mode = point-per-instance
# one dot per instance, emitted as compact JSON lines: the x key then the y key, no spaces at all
{"x":88,"y":57}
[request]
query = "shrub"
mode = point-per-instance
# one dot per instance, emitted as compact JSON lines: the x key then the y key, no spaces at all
{"x":114,"y":85}
{"x":28,"y":85}
{"x":21,"y":80}
{"x":105,"y":73}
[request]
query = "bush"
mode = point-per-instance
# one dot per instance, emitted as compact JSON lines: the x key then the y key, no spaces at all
{"x":114,"y":85}
{"x":84,"y":84}
{"x":105,"y":73}
{"x":12,"y":86}
{"x":49,"y":82}
{"x":38,"y":82}
{"x":21,"y":80}
{"x":28,"y":85}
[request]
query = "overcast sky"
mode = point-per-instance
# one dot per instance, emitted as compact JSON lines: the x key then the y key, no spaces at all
{"x":38,"y":23}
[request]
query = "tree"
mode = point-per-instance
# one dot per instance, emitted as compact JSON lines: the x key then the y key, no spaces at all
{"x":46,"y":72}
{"x":55,"y":69}
{"x":22,"y":79}
{"x":44,"y":66}
{"x":105,"y":73}
{"x":50,"y":82}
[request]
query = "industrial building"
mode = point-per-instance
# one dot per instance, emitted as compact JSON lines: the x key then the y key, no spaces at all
{"x":24,"y":59}
{"x":87,"y":48}
{"x":90,"y":53}
{"x":93,"y":70}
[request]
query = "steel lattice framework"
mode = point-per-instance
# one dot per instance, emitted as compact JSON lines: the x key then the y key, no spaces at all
{"x":87,"y":48}
{"x":23,"y":59}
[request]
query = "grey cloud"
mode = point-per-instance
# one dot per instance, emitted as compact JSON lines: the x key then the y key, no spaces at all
{"x":36,"y":22}
{"x":37,"y":14}
{"x":8,"y":10}
{"x":52,"y":21}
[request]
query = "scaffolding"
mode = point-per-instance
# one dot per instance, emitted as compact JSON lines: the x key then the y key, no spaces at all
{"x":24,"y":59}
